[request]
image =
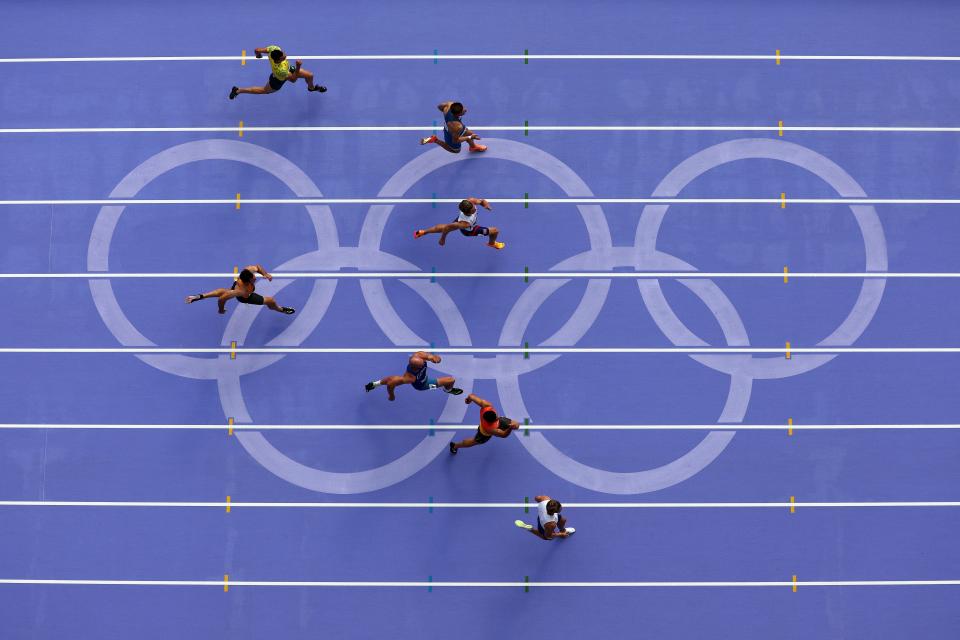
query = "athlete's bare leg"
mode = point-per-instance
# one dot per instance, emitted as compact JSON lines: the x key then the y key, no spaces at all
{"x":216,"y":293}
{"x":258,"y":90}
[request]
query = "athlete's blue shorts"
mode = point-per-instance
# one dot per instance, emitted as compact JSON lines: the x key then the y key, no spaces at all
{"x":475,"y":230}
{"x":544,"y":533}
{"x":431,"y":382}
{"x":449,"y":139}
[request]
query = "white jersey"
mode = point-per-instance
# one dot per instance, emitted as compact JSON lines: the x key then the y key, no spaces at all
{"x":542,"y":515}
{"x":469,"y":219}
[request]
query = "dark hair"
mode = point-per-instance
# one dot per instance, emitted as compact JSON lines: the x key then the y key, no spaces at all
{"x":276,"y":55}
{"x":489,"y":414}
{"x":553,"y":507}
{"x":466,"y":206}
{"x":456,"y":108}
{"x":246,"y":276}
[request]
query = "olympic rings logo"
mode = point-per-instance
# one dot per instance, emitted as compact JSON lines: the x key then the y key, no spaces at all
{"x":504,"y":370}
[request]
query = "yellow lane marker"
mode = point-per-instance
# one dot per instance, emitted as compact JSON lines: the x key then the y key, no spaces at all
{"x":789,"y":426}
{"x":788,"y":351}
{"x":243,"y":57}
{"x":794,"y":584}
{"x":778,"y":57}
{"x":783,"y":200}
{"x":238,"y":202}
{"x":241,"y":129}
{"x":780,"y":128}
{"x":226,"y":583}
{"x":785,"y":274}
{"x":233,"y":350}
{"x":236,"y":274}
{"x":229,"y":430}
{"x":228,"y":504}
{"x":792,"y":505}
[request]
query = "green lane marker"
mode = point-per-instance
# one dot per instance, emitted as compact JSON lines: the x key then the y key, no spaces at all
{"x":430,"y":588}
{"x":526,"y":504}
{"x":526,"y":278}
{"x":430,"y":500}
{"x":433,"y":196}
{"x":526,"y":52}
{"x":526,"y":356}
{"x":431,"y":427}
{"x":433,"y":278}
{"x":526,"y":586}
{"x":526,"y":423}
{"x":435,"y":52}
{"x":526,"y":123}
{"x":526,"y":196}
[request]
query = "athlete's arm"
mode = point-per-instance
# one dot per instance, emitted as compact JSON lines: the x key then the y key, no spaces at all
{"x":482,"y":202}
{"x":222,"y":300}
{"x":444,"y":106}
{"x":427,"y":356}
{"x":259,"y":52}
{"x":548,"y":530}
{"x":541,"y":498}
{"x":258,"y":268}
{"x":477,"y":400}
{"x":460,"y":133}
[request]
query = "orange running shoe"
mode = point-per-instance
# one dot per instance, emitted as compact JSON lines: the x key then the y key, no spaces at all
{"x":419,"y":233}
{"x":428,"y":140}
{"x":478,"y":147}
{"x":496,"y":245}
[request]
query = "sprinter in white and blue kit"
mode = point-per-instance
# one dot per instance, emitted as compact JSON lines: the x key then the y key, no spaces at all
{"x":466,"y":222}
{"x":550,"y":524}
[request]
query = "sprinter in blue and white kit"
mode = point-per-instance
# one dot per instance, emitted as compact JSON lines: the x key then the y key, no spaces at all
{"x":550,"y":524}
{"x":417,"y":376}
{"x":455,"y":133}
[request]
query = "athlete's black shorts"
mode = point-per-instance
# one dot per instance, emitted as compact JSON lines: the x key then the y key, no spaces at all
{"x":276,"y":83}
{"x":504,"y":423}
{"x":253,"y":298}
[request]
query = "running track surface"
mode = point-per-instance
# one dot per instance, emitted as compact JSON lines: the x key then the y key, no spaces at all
{"x":480,"y":545}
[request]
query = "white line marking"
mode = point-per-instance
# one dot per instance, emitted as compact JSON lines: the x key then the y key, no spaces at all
{"x":477,"y":350}
{"x":401,"y":128}
{"x":513,"y":56}
{"x":471,"y":505}
{"x":487,"y":274}
{"x":421,"y":584}
{"x":304,"y":201}
{"x":531,"y":427}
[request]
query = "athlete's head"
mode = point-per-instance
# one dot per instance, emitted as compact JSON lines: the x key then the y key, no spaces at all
{"x":553,"y":507}
{"x":467,"y":207}
{"x":489,"y":415}
{"x":246,"y":276}
{"x":277,"y":55}
{"x":457,"y":109}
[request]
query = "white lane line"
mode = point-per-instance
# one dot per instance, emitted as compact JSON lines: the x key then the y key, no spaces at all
{"x":477,"y":350}
{"x":401,"y":128}
{"x":424,"y":583}
{"x":338,"y":275}
{"x":531,"y":427}
{"x":305,"y":201}
{"x":472,"y":505}
{"x":509,"y":56}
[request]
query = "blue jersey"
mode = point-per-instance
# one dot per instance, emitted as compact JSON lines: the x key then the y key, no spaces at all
{"x":421,"y":374}
{"x":448,"y":136}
